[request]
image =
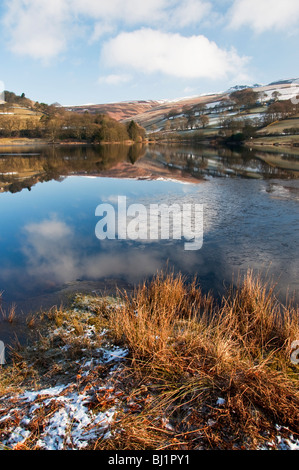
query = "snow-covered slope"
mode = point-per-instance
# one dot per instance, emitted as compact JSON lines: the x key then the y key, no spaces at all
{"x":148,"y":112}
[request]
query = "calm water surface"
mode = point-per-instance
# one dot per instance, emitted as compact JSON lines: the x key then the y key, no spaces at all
{"x":48,"y":198}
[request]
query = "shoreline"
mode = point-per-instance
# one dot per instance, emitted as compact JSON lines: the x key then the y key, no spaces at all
{"x":19,"y":142}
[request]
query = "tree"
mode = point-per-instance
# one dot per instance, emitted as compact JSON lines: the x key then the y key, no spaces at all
{"x":172,"y":113}
{"x":187,"y":111}
{"x":191,"y":121}
{"x":53,"y":129}
{"x":167,"y":126}
{"x":275,"y":95}
{"x":230,"y":126}
{"x":182,"y":123}
{"x":246,"y":97}
{"x":280,"y":110}
{"x":262,"y":97}
{"x":204,"y":120}
{"x":135,"y":132}
{"x":200,"y":109}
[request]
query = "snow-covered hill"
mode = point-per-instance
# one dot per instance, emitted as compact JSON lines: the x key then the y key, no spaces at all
{"x":149,"y":112}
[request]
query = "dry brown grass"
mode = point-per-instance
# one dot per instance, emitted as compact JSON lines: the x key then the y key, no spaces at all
{"x":185,"y":352}
{"x":161,"y":320}
{"x":8,"y":314}
{"x":189,"y":351}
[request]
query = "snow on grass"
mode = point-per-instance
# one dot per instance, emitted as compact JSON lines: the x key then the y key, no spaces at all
{"x":72,"y":425}
{"x":98,"y":405}
{"x":63,"y":414}
{"x":282,"y":442}
{"x":220,"y":401}
{"x":68,"y":415}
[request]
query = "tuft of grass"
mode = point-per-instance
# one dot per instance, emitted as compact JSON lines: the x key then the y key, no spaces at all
{"x":10,"y":314}
{"x":199,"y":374}
{"x":189,"y":351}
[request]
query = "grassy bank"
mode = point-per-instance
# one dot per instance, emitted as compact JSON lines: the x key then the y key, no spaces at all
{"x":165,"y":368}
{"x":18,"y":141}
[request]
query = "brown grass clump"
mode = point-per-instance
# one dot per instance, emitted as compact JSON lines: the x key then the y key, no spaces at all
{"x":259,"y":322}
{"x":198,"y":374}
{"x":160,"y":321}
{"x":189,"y":351}
{"x":8,"y":315}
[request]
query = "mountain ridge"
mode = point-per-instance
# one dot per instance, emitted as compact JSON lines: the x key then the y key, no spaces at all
{"x":146,"y":111}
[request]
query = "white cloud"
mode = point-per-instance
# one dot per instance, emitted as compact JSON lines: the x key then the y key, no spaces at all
{"x":48,"y":229}
{"x":48,"y":248}
{"x":42,"y":29}
{"x":129,"y":12}
{"x":189,"y":12}
{"x":264,"y":15}
{"x":150,"y":51}
{"x":147,"y":12}
{"x":101,"y":29}
{"x":116,"y":79}
{"x":36,"y":28}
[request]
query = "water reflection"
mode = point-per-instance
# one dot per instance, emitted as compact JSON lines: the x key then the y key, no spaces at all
{"x":47,"y":235}
{"x":224,"y":161}
{"x":22,"y":168}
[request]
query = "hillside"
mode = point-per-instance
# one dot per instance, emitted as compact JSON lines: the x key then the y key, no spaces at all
{"x":241,"y":113}
{"x":148,"y":113}
{"x":217,"y":106}
{"x":118,"y":111}
{"x":21,"y":118}
{"x":260,"y":114}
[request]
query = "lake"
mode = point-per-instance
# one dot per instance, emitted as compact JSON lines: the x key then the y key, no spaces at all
{"x":49,"y":195}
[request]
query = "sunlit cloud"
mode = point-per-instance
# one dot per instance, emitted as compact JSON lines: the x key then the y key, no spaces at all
{"x":36,"y":28}
{"x":48,"y":249}
{"x":172,"y":54}
{"x":48,"y":229}
{"x":115,"y":79}
{"x":264,"y":15}
{"x":43,"y":30}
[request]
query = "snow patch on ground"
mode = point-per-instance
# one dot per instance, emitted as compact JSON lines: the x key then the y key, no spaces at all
{"x":66,"y":416}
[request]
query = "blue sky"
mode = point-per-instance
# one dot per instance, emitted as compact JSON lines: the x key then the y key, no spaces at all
{"x":100,"y":51}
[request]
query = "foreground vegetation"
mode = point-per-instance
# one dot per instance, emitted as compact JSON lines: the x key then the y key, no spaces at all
{"x":164,"y":368}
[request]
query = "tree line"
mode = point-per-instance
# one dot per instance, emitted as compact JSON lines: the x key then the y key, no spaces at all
{"x":55,"y":124}
{"x":230,"y":114}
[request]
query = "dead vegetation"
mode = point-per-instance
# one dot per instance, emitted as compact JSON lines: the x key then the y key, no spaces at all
{"x":195,"y":375}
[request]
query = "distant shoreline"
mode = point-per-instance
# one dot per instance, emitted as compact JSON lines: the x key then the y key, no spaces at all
{"x":21,"y":142}
{"x":9,"y":142}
